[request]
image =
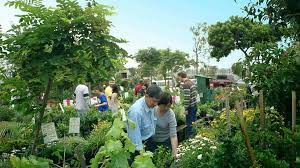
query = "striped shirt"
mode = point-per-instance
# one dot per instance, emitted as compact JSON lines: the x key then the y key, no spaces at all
{"x":189,"y":91}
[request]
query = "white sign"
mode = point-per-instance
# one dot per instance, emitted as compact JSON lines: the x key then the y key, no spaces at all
{"x":49,"y":132}
{"x":94,"y":100}
{"x":201,"y":95}
{"x":74,"y":125}
{"x":126,"y":94}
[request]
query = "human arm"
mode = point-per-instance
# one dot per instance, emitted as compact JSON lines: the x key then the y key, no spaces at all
{"x":103,"y":101}
{"x":174,"y":143}
{"x":134,"y":133}
{"x":173,"y":133}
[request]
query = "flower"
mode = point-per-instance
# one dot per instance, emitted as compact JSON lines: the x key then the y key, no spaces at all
{"x":213,"y":147}
{"x":199,"y":157}
{"x":206,"y":139}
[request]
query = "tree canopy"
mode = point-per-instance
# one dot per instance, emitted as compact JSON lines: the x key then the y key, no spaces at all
{"x":237,"y":34}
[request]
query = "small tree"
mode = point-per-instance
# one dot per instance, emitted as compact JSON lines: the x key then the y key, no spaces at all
{"x":50,"y":45}
{"x":172,"y":61}
{"x":200,"y":47}
{"x":149,"y":60}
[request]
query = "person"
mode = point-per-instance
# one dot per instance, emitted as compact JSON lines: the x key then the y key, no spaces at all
{"x":142,"y":92}
{"x":102,"y":104}
{"x":108,"y":90}
{"x":189,"y":92}
{"x":82,"y":99}
{"x":114,"y":102}
{"x":165,"y":131}
{"x":142,"y":114}
{"x":138,"y":87}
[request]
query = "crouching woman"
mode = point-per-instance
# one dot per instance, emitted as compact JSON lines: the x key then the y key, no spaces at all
{"x":165,"y":131}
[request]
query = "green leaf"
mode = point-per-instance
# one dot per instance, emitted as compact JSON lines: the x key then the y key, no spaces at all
{"x":113,"y":146}
{"x":129,"y":145}
{"x":143,"y":160}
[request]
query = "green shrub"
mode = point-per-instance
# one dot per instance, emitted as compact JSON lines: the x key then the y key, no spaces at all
{"x":162,"y":157}
{"x":198,"y":152}
{"x":14,"y":136}
{"x":6,"y":113}
{"x":179,"y":113}
{"x":30,"y":162}
{"x":97,"y":137}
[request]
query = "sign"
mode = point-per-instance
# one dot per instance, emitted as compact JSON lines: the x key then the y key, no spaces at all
{"x":126,"y":94}
{"x":74,"y":125}
{"x":94,"y":100}
{"x":49,"y":132}
{"x":201,"y":95}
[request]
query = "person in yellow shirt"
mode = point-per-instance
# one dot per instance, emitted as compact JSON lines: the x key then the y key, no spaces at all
{"x":108,"y":90}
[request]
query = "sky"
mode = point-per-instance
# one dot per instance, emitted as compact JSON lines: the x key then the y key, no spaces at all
{"x":158,"y":23}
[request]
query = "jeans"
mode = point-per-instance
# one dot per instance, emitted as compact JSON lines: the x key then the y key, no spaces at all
{"x":189,"y":119}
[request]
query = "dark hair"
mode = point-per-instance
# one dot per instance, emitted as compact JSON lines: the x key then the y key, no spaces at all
{"x":154,"y":91}
{"x":100,"y":88}
{"x":165,"y":99}
{"x":146,"y":85}
{"x":115,"y":88}
{"x":182,"y":74}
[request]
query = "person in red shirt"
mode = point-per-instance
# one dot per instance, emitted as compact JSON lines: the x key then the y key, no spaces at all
{"x":138,"y":87}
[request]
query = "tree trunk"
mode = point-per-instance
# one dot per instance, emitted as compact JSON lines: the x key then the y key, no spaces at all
{"x":39,"y":120}
{"x":197,"y":64}
{"x":261,"y":109}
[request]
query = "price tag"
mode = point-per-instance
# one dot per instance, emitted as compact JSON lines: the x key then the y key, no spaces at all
{"x":49,"y":132}
{"x":74,"y":125}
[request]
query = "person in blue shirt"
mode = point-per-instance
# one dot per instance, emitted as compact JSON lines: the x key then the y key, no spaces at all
{"x":142,"y":114}
{"x":102,"y":105}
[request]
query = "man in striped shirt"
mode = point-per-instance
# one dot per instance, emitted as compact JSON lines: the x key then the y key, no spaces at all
{"x":189,"y":92}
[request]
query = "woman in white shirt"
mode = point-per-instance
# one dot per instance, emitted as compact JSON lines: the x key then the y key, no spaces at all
{"x":114,"y":102}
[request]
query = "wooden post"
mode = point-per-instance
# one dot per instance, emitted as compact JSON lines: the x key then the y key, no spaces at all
{"x":261,"y":109}
{"x":293,"y":111}
{"x":294,"y":101}
{"x":244,"y":131}
{"x":228,"y":114}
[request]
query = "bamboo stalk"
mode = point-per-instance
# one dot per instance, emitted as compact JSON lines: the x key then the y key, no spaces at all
{"x":244,"y":131}
{"x":293,"y":111}
{"x":228,"y":114}
{"x":294,"y":127}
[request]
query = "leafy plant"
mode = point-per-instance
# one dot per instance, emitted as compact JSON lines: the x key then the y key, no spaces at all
{"x":117,"y":148}
{"x":198,"y":152}
{"x":179,"y":113}
{"x":14,"y":136}
{"x":162,"y":157}
{"x":143,"y":160}
{"x":96,"y":139}
{"x":30,"y":162}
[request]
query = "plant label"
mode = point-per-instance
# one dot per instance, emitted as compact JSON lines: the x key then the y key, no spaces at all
{"x":49,"y":132}
{"x":74,"y":125}
{"x":126,"y":94}
{"x":61,"y":108}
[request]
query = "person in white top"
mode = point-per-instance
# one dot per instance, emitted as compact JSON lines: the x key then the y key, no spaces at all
{"x":82,"y":99}
{"x":114,"y":102}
